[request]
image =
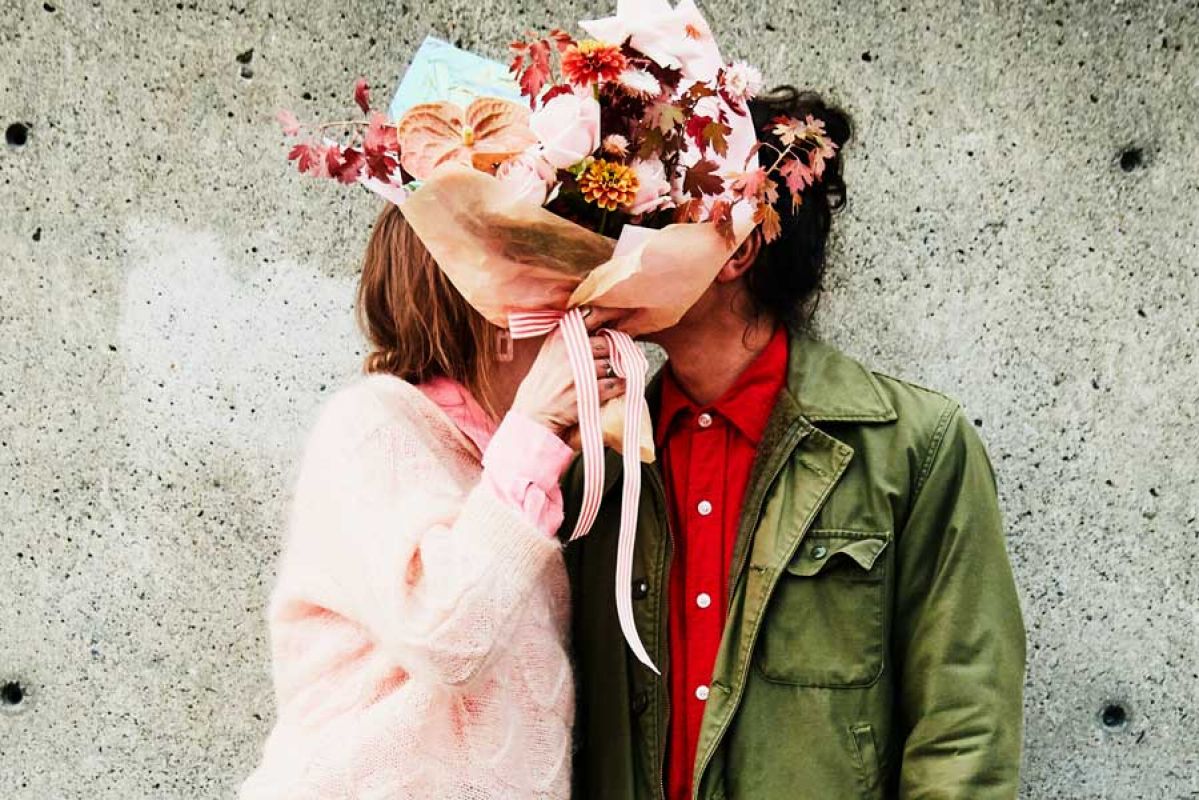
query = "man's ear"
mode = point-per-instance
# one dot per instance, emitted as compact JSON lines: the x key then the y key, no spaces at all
{"x":741,"y":259}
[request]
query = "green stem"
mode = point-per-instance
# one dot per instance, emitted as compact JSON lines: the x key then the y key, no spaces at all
{"x":603,"y":222}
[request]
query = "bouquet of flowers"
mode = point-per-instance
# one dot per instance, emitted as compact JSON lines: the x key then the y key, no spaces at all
{"x":623,"y":171}
{"x":639,"y":130}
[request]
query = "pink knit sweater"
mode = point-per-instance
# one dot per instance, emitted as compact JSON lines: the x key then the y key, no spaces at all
{"x":418,"y":622}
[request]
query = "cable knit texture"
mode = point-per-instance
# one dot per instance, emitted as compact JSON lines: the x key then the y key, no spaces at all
{"x":418,"y":623}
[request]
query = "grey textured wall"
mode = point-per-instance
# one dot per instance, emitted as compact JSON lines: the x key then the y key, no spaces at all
{"x":175,"y":303}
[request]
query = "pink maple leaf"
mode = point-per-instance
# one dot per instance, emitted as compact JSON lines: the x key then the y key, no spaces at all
{"x":291,"y":125}
{"x":797,"y":174}
{"x":749,"y":185}
{"x":380,"y":135}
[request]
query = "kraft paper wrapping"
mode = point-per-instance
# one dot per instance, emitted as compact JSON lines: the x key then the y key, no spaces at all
{"x":506,"y":255}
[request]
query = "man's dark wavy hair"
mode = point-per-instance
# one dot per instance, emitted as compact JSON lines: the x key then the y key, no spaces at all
{"x":786,"y":279}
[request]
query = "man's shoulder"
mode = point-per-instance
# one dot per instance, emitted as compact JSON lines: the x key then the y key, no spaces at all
{"x":926,"y":419}
{"x":904,"y":401}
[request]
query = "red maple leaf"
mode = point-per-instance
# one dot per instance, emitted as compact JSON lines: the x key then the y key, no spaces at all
{"x":380,"y":135}
{"x":702,"y":179}
{"x":362,"y":95}
{"x":291,"y":125}
{"x":554,"y":91}
{"x":352,"y":161}
{"x":561,"y":38}
{"x":305,"y":156}
{"x":531,"y":64}
{"x":381,"y":166}
{"x":695,"y":129}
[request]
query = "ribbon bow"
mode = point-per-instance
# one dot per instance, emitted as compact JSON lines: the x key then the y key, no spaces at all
{"x":628,"y":362}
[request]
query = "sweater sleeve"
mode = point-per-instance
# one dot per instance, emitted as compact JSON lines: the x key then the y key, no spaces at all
{"x":381,"y":535}
{"x":523,"y":464}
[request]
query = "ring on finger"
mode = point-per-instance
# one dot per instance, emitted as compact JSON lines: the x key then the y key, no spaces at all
{"x":609,"y":372}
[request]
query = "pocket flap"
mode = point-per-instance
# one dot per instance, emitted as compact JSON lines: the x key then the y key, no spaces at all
{"x":821,"y":548}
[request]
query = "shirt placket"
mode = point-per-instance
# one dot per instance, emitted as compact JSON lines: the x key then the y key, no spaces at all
{"x":706,"y":476}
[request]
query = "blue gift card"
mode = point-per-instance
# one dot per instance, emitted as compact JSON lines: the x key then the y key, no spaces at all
{"x":439,"y":71}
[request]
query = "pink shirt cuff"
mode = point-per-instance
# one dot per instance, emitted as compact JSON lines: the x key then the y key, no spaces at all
{"x":522,"y":466}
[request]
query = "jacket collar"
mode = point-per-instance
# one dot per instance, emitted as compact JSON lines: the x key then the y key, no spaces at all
{"x":827,"y":385}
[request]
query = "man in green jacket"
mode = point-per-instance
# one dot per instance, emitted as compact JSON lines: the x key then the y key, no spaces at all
{"x":859,"y":633}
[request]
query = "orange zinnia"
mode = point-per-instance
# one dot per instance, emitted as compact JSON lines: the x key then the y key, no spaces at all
{"x":608,"y":184}
{"x":591,"y":61}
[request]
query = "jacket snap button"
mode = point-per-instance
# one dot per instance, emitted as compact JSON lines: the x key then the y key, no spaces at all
{"x":640,"y":589}
{"x":819,"y":552}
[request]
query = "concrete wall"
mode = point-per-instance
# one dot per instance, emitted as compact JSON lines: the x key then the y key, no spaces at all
{"x":175,"y":304}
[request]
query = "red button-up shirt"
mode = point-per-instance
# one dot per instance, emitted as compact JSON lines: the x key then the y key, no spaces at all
{"x":707,"y":454}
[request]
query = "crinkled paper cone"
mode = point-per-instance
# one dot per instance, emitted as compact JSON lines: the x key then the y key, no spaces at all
{"x":508,"y":255}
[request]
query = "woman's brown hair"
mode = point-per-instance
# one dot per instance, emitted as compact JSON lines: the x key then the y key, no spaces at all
{"x":417,"y":323}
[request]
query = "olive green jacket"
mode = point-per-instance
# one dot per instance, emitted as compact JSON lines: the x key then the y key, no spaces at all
{"x":874,"y":646}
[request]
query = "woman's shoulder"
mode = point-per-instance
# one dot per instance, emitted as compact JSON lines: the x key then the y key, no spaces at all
{"x":370,"y":405}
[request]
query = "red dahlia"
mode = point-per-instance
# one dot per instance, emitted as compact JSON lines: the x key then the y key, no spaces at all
{"x":591,"y":61}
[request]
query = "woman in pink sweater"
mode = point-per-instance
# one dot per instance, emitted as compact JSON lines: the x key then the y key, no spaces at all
{"x":419,"y":620}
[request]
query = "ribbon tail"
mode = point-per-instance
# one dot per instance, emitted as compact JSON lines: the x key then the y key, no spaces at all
{"x":629,"y":363}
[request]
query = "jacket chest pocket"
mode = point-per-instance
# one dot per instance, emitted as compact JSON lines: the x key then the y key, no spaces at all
{"x":824,"y":621}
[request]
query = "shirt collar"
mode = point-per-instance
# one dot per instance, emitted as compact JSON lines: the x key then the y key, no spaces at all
{"x":746,"y":404}
{"x":465,"y":412}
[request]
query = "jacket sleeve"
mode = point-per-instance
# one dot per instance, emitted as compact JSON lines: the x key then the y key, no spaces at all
{"x":959,"y":638}
{"x":382,"y":540}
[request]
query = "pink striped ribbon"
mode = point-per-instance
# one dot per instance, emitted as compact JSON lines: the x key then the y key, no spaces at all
{"x":628,"y":362}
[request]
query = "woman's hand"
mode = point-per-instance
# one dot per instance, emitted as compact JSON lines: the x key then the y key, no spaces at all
{"x":547,"y":393}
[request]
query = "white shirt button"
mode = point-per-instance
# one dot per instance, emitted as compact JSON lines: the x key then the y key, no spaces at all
{"x":704,"y":508}
{"x":705,"y":420}
{"x":701,"y":692}
{"x":703,"y":600}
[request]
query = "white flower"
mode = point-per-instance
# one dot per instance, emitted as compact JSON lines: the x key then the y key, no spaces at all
{"x":653,"y":190}
{"x":528,"y":176}
{"x":616,"y":145}
{"x":568,"y":127}
{"x":742,"y":81}
{"x":639,"y":83}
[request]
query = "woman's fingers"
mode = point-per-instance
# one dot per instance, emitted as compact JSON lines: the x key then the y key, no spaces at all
{"x":602,"y":353}
{"x":610,"y":388}
{"x":599,"y":317}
